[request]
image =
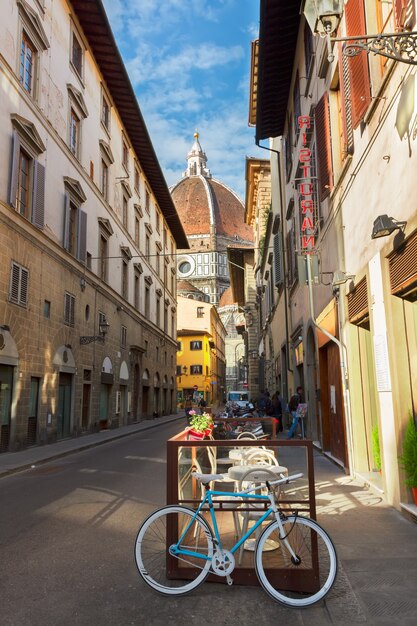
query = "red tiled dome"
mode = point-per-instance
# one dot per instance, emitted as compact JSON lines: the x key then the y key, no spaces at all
{"x":203,"y":202}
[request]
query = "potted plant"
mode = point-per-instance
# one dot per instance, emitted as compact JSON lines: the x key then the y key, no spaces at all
{"x":376,"y":449}
{"x":408,"y":459}
{"x":201,"y":425}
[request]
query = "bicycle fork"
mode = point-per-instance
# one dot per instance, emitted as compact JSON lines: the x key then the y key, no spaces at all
{"x":283,"y":537}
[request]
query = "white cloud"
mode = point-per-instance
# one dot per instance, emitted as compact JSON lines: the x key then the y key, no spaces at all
{"x":224,"y":136}
{"x":152,"y":64}
{"x":183,"y":85}
{"x":140,"y":17}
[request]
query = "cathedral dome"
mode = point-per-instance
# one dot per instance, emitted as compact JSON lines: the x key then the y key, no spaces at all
{"x":207,"y":206}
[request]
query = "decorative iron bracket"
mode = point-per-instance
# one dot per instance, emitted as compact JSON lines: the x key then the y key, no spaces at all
{"x":400,"y":47}
{"x":85,"y":340}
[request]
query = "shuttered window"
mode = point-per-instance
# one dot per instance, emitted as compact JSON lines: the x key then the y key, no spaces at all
{"x":324,"y":150}
{"x":400,"y":8}
{"x":288,"y":152}
{"x":291,"y":258}
{"x":345,"y":105}
{"x":19,"y":278}
{"x":297,"y":103}
{"x":358,"y":307}
{"x":360,"y":86}
{"x":403,"y":269}
{"x":69,"y":309}
{"x":278,"y":274}
{"x":75,"y":229}
{"x":27,"y":183}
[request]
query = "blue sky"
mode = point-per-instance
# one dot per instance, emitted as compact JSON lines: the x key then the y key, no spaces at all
{"x":189,"y":62}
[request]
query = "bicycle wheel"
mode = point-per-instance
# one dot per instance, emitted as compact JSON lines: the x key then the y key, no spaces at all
{"x":296,"y":583}
{"x":164,"y":572}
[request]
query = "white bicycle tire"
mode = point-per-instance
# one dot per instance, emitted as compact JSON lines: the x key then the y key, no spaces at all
{"x":291,"y":523}
{"x":143,"y":567}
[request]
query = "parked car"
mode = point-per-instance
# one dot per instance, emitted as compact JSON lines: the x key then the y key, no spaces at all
{"x":241,"y":398}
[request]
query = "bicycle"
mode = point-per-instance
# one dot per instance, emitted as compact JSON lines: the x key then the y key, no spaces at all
{"x":176,"y":549}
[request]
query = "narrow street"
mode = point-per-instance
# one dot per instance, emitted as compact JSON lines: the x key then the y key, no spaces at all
{"x":67,"y":530}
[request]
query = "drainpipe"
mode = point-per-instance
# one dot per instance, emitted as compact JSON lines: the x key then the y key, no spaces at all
{"x":343,"y":368}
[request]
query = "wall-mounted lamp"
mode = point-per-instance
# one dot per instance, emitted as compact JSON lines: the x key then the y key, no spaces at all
{"x":184,"y":370}
{"x":384,"y":226}
{"x":340,"y":278}
{"x":323,"y":17}
{"x":82,"y":283}
{"x":103,"y":328}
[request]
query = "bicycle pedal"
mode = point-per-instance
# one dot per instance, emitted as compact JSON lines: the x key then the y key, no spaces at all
{"x":229,"y":580}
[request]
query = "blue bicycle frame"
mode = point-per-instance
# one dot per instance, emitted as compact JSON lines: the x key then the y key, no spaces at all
{"x":208,"y":499}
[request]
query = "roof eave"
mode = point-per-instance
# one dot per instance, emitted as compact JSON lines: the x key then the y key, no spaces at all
{"x":278,"y":32}
{"x":93,"y":20}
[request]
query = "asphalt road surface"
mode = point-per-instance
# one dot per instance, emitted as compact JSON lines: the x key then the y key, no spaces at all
{"x":67,"y":531}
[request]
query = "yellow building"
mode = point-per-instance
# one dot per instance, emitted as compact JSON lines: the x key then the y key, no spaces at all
{"x":201,"y":361}
{"x":194,"y":366}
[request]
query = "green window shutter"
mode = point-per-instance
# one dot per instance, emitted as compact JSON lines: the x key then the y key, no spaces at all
{"x":14,"y":173}
{"x":82,"y":236}
{"x":65,"y":241}
{"x":38,"y":196}
{"x":278,"y":275}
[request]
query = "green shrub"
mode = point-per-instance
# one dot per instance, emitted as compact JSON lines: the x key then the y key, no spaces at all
{"x":200,"y":423}
{"x":376,"y":450}
{"x":408,"y":459}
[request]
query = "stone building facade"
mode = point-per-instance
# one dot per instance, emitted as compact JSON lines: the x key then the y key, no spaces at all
{"x":341,"y":131}
{"x":88,"y":234}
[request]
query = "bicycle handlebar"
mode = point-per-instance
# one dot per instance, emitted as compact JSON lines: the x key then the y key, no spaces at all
{"x":286,"y":479}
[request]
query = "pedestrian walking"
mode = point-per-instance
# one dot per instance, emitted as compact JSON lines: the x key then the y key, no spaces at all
{"x":202,"y":405}
{"x":277,"y":410}
{"x":263,"y":403}
{"x":295,"y":400}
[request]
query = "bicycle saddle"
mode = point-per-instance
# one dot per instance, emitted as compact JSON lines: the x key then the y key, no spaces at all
{"x":207,"y":478}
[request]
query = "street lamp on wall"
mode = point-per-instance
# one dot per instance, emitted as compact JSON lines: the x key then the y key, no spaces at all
{"x":323,"y":17}
{"x":103,"y":328}
{"x":384,"y":226}
{"x":184,"y":370}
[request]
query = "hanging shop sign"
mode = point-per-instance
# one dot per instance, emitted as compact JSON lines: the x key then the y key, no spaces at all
{"x":307,"y":187}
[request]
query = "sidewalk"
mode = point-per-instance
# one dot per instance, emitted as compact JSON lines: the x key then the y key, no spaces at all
{"x":376,"y":547}
{"x":11,"y":462}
